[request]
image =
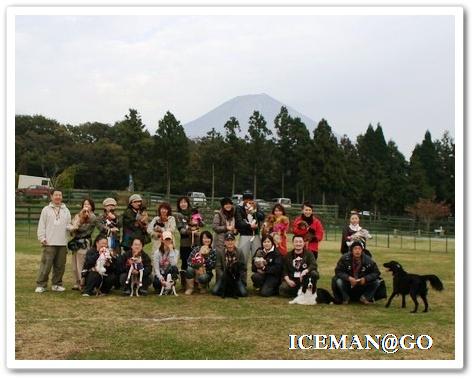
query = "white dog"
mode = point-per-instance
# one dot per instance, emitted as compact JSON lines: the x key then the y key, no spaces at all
{"x":104,"y":257}
{"x":307,"y":297}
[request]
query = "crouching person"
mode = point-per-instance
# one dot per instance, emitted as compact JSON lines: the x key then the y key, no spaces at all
{"x":230,"y":270}
{"x":99,"y":270}
{"x":127,"y":260}
{"x":298,"y":264}
{"x":201,"y":263}
{"x":165,"y":260}
{"x":267,"y":267}
{"x":356,"y":277}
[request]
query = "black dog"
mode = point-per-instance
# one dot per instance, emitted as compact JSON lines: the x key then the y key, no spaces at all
{"x":324,"y":297}
{"x":231,"y":275}
{"x":413,"y":284}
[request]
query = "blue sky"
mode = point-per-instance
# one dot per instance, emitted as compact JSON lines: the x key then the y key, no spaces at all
{"x":350,"y":70}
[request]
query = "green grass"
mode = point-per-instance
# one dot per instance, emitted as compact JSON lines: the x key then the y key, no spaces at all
{"x":67,"y":326}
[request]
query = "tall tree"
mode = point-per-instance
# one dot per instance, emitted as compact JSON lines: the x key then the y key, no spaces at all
{"x":171,"y":148}
{"x":234,"y":147}
{"x":258,"y":142}
{"x":132,"y":135}
{"x":293,"y":144}
{"x":327,"y":162}
{"x":373,"y":153}
{"x":445,"y":149}
{"x":353,"y":175}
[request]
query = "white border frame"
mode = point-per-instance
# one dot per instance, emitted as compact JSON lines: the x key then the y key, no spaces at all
{"x":456,"y":11}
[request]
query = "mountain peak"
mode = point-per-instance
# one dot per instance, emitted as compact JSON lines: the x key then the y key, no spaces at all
{"x":242,"y":107}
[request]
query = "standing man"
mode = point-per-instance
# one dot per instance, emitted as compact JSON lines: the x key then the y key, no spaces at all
{"x":52,"y":235}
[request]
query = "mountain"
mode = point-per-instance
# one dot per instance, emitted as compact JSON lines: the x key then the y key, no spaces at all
{"x":241,"y":108}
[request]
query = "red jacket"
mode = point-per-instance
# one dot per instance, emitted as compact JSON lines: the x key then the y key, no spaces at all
{"x":312,"y":238}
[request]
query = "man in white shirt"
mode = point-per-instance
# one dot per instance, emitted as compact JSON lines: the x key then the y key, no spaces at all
{"x":52,"y":235}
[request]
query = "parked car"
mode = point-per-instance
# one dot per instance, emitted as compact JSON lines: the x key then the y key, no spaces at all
{"x":285,"y":202}
{"x":35,"y":191}
{"x":237,"y":198}
{"x":265,"y":205}
{"x":197,"y":198}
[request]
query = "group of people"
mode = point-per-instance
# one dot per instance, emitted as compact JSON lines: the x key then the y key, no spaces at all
{"x":118,"y":249}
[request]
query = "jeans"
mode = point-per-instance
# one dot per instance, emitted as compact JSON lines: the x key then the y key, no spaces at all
{"x":344,"y":292}
{"x":268,"y":284}
{"x":239,"y":284}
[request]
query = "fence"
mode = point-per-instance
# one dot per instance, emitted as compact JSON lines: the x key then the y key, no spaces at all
{"x":27,"y":216}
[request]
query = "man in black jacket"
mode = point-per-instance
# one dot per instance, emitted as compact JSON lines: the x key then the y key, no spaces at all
{"x":356,"y":276}
{"x":298,"y":264}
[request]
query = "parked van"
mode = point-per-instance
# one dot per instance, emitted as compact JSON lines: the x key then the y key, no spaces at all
{"x":197,"y":198}
{"x":285,"y":202}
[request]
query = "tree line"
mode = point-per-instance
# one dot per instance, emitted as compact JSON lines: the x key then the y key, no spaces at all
{"x":370,"y":174}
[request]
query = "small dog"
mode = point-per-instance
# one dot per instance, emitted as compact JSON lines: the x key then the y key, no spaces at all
{"x":259,"y":260}
{"x":104,"y":257}
{"x":413,"y":284}
{"x":251,"y":208}
{"x":135,"y":279}
{"x":230,"y":278}
{"x":307,"y":293}
{"x":169,"y":287}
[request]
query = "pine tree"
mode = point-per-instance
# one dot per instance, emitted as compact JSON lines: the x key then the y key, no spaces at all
{"x":257,"y":139}
{"x":171,"y":150}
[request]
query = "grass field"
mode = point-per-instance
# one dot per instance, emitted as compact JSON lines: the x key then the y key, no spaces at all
{"x":66,"y":326}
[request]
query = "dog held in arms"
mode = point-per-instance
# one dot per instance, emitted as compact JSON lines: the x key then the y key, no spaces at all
{"x":413,"y":284}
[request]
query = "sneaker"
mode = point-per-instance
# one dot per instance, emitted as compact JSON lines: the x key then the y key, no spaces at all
{"x":85,"y":294}
{"x":40,"y":289}
{"x":58,"y":288}
{"x":75,"y":288}
{"x":364,"y":300}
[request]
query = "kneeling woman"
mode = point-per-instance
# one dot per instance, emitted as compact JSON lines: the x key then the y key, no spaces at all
{"x":131,"y":257}
{"x":201,"y":263}
{"x":267,"y":267}
{"x":165,"y":261}
{"x":101,"y":276}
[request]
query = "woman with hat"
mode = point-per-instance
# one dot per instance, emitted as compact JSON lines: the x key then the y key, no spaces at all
{"x":134,"y":222}
{"x":223,"y":222}
{"x":109,"y":224}
{"x":164,"y":261}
